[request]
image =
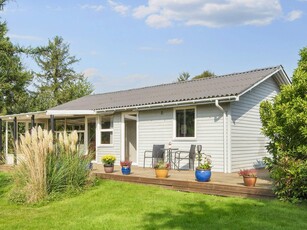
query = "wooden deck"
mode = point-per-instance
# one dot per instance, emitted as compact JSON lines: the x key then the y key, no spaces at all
{"x":221,"y":184}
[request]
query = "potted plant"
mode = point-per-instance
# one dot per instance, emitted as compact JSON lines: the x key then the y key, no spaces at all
{"x":161,"y":169}
{"x":126,"y":167}
{"x":108,"y":161}
{"x":203,"y":171}
{"x":249,"y":177}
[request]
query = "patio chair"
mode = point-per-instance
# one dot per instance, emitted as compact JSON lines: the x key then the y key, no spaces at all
{"x":186,"y":155}
{"x":157,"y":153}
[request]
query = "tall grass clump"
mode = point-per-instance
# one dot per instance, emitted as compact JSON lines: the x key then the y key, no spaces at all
{"x":47,"y":166}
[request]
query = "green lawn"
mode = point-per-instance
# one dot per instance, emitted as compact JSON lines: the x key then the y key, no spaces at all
{"x":117,"y":205}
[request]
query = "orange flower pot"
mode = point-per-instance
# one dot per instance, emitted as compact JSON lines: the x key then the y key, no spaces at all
{"x":249,"y":181}
{"x":161,"y":173}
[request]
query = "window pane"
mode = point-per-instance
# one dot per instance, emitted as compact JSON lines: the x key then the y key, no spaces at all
{"x":180,"y":129}
{"x":106,"y":137}
{"x":59,"y":125}
{"x":190,"y":119}
{"x":185,"y":120}
{"x":75,"y":124}
{"x":106,"y":123}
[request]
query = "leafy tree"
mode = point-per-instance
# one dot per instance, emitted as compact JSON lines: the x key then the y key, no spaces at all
{"x":285,"y":123}
{"x":184,"y":76}
{"x":58,"y":82}
{"x":204,"y":74}
{"x":14,"y":79}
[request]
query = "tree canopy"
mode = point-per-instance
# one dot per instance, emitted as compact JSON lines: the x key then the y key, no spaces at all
{"x":204,"y":74}
{"x":185,"y":76}
{"x":285,"y":123}
{"x":57,"y":82}
{"x":14,"y":78}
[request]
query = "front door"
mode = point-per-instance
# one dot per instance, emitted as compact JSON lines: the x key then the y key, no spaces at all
{"x":130,"y":132}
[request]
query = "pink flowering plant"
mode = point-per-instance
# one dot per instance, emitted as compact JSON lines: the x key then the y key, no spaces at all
{"x":248,"y":173}
{"x":125,"y":163}
{"x":162,"y":165}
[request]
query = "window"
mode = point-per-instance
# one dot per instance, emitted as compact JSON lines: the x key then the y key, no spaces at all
{"x":106,"y":131}
{"x":185,"y":123}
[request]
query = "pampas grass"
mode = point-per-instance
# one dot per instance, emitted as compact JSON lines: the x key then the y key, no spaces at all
{"x":46,"y":167}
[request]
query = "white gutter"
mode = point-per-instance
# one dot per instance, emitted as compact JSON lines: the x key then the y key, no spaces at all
{"x":70,"y":112}
{"x":224,"y":136}
{"x":170,"y":104}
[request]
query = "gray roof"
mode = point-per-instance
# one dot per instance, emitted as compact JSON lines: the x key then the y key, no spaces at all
{"x":214,"y":87}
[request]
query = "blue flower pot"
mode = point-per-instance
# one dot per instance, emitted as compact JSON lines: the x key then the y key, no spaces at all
{"x":202,"y":175}
{"x":126,"y":170}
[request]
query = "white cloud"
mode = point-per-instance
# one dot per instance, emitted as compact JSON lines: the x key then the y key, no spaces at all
{"x":96,"y":8}
{"x":174,"y":41}
{"x":294,"y":15}
{"x":118,"y":7}
{"x":25,"y":37}
{"x":210,"y":13}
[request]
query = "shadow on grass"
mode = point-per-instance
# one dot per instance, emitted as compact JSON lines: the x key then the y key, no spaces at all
{"x":223,"y":214}
{"x":5,"y":182}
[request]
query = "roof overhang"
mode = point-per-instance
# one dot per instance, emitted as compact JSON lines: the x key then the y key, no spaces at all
{"x":279,"y":75}
{"x":25,"y":116}
{"x":171,"y":104}
{"x":70,"y":112}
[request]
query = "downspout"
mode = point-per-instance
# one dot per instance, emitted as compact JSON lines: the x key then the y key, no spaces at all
{"x":224,"y":135}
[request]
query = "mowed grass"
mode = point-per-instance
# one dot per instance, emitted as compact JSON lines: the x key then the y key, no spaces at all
{"x":119,"y":205}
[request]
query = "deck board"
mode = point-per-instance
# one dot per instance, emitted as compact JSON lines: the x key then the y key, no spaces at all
{"x":221,"y":184}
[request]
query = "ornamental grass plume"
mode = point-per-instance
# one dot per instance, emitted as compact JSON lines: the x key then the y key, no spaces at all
{"x":45,"y":168}
{"x":31,"y":172}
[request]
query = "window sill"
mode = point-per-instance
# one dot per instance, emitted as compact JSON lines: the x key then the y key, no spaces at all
{"x":184,"y":139}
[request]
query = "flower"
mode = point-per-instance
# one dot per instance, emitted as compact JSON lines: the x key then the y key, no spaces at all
{"x":248,"y":173}
{"x":161,"y":165}
{"x":207,"y":163}
{"x":125,"y":163}
{"x":108,"y":159}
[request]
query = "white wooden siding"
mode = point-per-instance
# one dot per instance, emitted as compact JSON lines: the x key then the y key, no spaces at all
{"x":115,"y":148}
{"x":156,"y":127}
{"x":247,"y":141}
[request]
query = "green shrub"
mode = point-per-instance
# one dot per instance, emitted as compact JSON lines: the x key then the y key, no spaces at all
{"x":285,"y":123}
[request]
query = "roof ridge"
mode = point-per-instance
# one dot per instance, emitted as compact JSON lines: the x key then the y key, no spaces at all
{"x":184,"y":82}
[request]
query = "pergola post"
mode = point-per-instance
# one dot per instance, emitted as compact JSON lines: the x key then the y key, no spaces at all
{"x":15,"y":140}
{"x":52,"y":123}
{"x":32,"y":122}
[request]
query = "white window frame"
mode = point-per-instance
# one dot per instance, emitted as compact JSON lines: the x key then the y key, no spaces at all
{"x":100,"y":130}
{"x":175,"y":123}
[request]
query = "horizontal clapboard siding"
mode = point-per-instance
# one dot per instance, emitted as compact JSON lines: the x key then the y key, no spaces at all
{"x":247,"y":141}
{"x":210,"y":134}
{"x":115,"y":148}
{"x":156,"y":127}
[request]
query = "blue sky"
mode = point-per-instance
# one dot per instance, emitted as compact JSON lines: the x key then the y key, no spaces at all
{"x":130,"y":44}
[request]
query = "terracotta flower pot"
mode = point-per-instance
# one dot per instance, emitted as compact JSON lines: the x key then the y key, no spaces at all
{"x":161,"y":173}
{"x":249,"y":181}
{"x":108,"y":168}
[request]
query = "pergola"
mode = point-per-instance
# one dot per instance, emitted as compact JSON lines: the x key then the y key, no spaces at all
{"x":30,"y":120}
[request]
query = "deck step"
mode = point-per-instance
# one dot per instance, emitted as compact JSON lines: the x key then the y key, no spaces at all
{"x":194,"y":186}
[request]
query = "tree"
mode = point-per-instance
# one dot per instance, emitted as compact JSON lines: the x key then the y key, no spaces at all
{"x":205,"y":74}
{"x":184,"y":76}
{"x":58,"y":82}
{"x":14,"y":78}
{"x":285,"y":123}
